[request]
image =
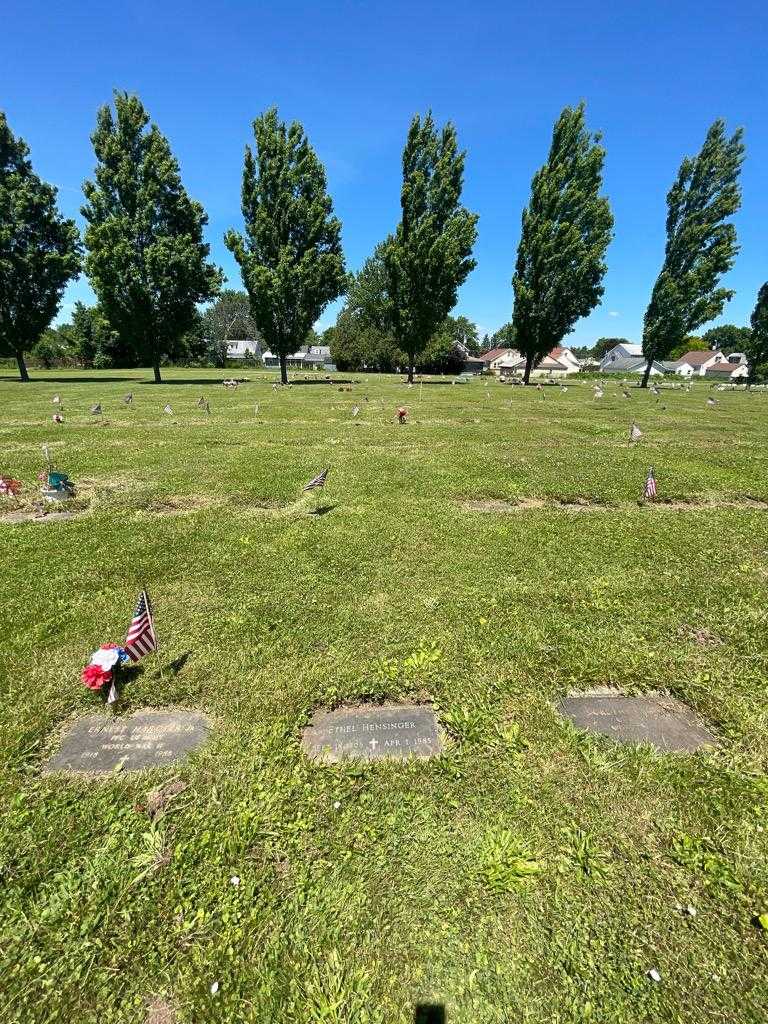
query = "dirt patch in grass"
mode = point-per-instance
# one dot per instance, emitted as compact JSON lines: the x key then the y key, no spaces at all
{"x":33,"y":516}
{"x":160,"y":798}
{"x":498,"y":505}
{"x":161,"y":1011}
{"x":178,"y":505}
{"x":532,"y":504}
{"x":700,"y":635}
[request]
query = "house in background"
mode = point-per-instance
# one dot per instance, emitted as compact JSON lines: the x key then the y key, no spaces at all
{"x":631,"y":364}
{"x":494,"y":356}
{"x":560,"y":362}
{"x":244,"y":348}
{"x":309,"y":357}
{"x":727,"y":371}
{"x":473,"y":364}
{"x":695,"y":364}
{"x":564,"y":355}
{"x":626,"y":350}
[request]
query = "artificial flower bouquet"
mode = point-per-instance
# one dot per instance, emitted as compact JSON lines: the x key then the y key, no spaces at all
{"x":100,"y":672}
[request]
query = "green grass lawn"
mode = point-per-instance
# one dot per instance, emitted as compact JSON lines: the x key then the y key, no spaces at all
{"x":531,"y":874}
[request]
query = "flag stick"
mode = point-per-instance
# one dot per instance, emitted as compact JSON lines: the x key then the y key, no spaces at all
{"x":157,"y":643}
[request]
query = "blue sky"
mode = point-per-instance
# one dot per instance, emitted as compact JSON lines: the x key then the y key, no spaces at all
{"x":653,"y":75}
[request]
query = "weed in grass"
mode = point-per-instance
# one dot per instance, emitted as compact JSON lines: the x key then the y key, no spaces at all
{"x":154,"y":855}
{"x":469,"y":725}
{"x":581,"y":851}
{"x":505,"y":862}
{"x":702,"y":857}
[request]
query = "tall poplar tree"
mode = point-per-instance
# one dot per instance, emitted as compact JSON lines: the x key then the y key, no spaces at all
{"x":290,"y":259}
{"x":430,"y":254}
{"x":39,"y":250}
{"x":701,"y":245}
{"x":147,"y":261}
{"x":756,"y":348}
{"x":566,"y":229}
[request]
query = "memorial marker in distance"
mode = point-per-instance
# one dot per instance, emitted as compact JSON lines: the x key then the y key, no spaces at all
{"x":665,"y":723}
{"x":99,"y":744}
{"x":373,"y":732}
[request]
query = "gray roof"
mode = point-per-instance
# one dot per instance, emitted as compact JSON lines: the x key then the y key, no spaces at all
{"x":627,"y":364}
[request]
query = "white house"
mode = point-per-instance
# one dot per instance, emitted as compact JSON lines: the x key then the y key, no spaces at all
{"x":309,"y":357}
{"x":727,"y":371}
{"x":633,"y":364}
{"x":626,"y":350}
{"x":560,"y":362}
{"x":564,"y":355}
{"x":243,"y":347}
{"x":696,"y":364}
{"x":495,"y":356}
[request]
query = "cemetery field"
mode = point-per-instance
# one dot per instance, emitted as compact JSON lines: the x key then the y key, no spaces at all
{"x":490,"y":556}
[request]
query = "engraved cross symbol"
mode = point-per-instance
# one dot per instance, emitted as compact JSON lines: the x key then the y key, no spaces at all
{"x":373,"y":744}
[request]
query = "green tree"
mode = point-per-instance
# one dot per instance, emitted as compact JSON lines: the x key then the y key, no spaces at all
{"x":39,"y":250}
{"x":291,"y":259}
{"x":356,"y":347}
{"x":147,"y":260}
{"x":690,"y":344}
{"x":756,"y":350}
{"x":362,"y":337}
{"x":701,"y":245}
{"x":442,"y":353}
{"x":604,"y":345}
{"x":505,"y":337}
{"x":465,"y":333}
{"x":727,"y":338}
{"x":228,"y":319}
{"x":430,"y":254}
{"x":566,"y":229}
{"x":94,"y":341}
{"x":52,"y":348}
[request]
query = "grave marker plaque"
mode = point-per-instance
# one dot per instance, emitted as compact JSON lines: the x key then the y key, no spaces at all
{"x":665,"y":723}
{"x":373,"y":733}
{"x":98,"y":744}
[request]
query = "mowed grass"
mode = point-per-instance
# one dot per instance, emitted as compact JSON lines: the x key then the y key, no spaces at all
{"x":531,"y":874}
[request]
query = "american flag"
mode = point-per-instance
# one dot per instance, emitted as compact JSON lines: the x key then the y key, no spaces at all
{"x":317,"y":481}
{"x":650,"y":486}
{"x":141,"y":637}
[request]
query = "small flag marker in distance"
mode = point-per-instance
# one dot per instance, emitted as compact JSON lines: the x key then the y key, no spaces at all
{"x":650,"y":486}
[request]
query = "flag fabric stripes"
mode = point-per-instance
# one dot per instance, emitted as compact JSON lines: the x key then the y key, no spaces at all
{"x":317,"y":481}
{"x":141,"y":637}
{"x":650,"y":486}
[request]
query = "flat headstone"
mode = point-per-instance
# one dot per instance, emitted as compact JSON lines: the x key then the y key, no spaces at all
{"x":35,"y":517}
{"x":665,"y":723}
{"x":373,"y":733}
{"x":98,"y":744}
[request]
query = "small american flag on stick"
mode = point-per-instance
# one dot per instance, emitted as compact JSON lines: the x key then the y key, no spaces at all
{"x":141,"y":637}
{"x":317,"y":481}
{"x":650,"y":486}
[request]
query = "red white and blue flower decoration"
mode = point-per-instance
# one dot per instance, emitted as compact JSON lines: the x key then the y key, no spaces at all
{"x":99,"y":673}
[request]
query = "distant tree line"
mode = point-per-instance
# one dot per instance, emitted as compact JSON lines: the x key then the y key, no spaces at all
{"x":160,"y":299}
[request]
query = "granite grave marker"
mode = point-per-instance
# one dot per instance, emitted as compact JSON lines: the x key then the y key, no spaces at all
{"x":665,"y":723}
{"x":371,"y":733}
{"x":98,"y":744}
